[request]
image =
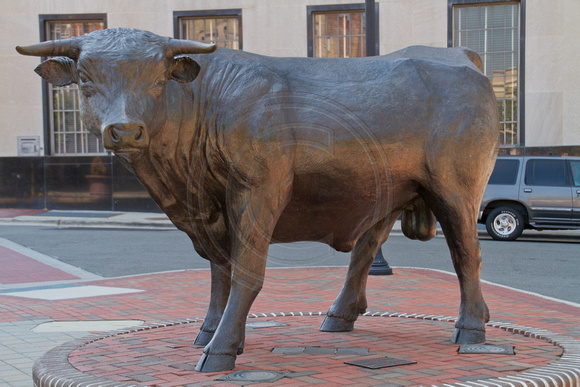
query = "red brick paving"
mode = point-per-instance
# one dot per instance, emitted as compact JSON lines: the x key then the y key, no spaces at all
{"x":14,"y":212}
{"x":19,"y":269}
{"x":163,"y":356}
{"x":170,"y":350}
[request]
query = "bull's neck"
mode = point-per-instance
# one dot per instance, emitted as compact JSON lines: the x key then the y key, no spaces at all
{"x":175,"y":168}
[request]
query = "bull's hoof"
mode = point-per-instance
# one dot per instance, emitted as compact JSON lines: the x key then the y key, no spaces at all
{"x":203,"y":338}
{"x":336,"y":324}
{"x":468,"y":336}
{"x":215,"y":363}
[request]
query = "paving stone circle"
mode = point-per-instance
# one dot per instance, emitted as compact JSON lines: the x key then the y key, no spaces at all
{"x":55,"y":370}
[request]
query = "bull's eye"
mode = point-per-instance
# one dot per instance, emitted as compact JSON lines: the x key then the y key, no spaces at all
{"x":86,"y":85}
{"x":83,"y":77}
{"x":157,"y":87}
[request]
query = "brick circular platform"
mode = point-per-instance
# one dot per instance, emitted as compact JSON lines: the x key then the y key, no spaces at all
{"x":162,"y":355}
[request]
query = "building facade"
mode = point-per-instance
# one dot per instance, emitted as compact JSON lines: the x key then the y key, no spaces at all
{"x":48,"y":160}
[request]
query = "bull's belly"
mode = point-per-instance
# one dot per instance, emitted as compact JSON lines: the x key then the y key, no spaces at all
{"x":338,"y":233}
{"x":336,"y":224}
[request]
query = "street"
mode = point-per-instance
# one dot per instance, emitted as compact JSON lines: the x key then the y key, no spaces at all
{"x":544,"y":265}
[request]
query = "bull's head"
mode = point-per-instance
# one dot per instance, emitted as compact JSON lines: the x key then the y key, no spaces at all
{"x":123,"y":76}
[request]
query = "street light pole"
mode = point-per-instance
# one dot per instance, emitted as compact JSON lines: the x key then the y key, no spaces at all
{"x":380,"y":266}
{"x":371,"y":27}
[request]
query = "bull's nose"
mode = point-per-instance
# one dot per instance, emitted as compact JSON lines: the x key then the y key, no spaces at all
{"x":125,"y":137}
{"x":120,"y":134}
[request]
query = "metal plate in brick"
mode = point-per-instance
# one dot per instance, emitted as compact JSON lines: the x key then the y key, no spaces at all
{"x":254,"y":376}
{"x":264,"y":324}
{"x":379,"y":362}
{"x":486,"y":349}
{"x":288,"y":350}
{"x":352,"y":351}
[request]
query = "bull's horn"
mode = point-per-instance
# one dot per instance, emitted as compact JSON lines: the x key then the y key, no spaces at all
{"x":64,"y":47}
{"x":179,"y":47}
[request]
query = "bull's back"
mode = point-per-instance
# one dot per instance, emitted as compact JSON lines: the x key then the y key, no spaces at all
{"x":386,"y":97}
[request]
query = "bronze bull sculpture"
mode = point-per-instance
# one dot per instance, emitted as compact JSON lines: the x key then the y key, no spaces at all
{"x":243,"y":150}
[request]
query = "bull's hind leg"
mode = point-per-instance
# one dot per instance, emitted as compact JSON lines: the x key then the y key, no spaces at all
{"x":352,"y":299}
{"x":457,"y":214}
{"x":220,"y":291}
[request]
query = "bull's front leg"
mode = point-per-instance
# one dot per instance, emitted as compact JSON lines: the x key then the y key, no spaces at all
{"x":251,"y":234}
{"x":220,"y":291}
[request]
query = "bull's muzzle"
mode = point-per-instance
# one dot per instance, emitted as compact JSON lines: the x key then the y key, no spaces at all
{"x":126,"y":137}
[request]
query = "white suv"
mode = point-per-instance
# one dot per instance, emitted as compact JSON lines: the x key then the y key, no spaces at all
{"x":539,"y":192}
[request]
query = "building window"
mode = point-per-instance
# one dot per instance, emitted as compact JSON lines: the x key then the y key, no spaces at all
{"x":493,"y":31}
{"x":338,"y":31}
{"x":66,"y":132}
{"x":222,"y":27}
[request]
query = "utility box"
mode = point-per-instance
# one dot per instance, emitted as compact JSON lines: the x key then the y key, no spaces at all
{"x":29,"y":146}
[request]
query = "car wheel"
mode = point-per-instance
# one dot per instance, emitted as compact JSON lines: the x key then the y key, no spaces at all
{"x":504,"y":224}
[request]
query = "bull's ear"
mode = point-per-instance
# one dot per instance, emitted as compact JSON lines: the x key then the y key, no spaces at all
{"x":184,"y":69}
{"x":59,"y":71}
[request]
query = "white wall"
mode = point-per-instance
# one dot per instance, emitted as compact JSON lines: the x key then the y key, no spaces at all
{"x":552,"y":73}
{"x":278,"y":27}
{"x":410,"y":22}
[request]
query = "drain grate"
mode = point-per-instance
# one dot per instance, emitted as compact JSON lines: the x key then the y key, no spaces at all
{"x":379,"y":362}
{"x":254,"y":376}
{"x":486,"y":349}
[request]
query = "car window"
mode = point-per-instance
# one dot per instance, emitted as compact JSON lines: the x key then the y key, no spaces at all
{"x":505,"y":172}
{"x":546,"y":172}
{"x":575,"y":167}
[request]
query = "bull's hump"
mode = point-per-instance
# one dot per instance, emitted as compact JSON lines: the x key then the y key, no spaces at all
{"x":456,"y":56}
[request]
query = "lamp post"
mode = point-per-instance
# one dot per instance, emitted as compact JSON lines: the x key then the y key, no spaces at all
{"x":371,"y":28}
{"x":380,"y":266}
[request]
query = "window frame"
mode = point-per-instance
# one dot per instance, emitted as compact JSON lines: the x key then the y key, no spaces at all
{"x":571,"y":171}
{"x":501,"y":166}
{"x":337,"y":8}
{"x":531,"y":175}
{"x":521,"y":136}
{"x":43,"y":20}
{"x":217,"y":13}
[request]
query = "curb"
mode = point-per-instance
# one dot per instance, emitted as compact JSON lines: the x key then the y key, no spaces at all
{"x":87,"y":222}
{"x":142,"y":221}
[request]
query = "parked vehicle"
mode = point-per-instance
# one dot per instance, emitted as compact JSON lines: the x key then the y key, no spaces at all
{"x":531,"y":192}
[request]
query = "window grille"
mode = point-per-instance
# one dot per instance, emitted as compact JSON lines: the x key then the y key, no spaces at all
{"x":339,"y":34}
{"x":493,"y":32}
{"x":68,"y":136}
{"x":223,"y":30}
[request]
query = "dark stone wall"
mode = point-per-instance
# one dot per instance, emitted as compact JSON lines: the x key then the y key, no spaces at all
{"x":71,"y":183}
{"x":103,"y":183}
{"x":572,"y":150}
{"x":22,"y":182}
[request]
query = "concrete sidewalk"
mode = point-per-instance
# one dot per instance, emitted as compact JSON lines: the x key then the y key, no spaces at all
{"x":141,"y":327}
{"x":85,"y":218}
